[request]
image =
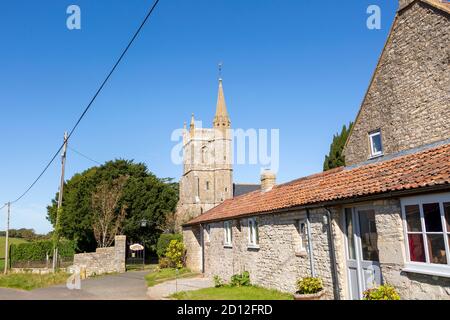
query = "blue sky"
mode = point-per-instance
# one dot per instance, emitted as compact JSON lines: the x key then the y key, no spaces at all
{"x":299,"y":66}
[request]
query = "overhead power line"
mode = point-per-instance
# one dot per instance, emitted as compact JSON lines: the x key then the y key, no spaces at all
{"x":152,"y":8}
{"x":83,"y":155}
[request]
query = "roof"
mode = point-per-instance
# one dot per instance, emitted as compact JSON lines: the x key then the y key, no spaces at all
{"x":413,"y":171}
{"x":440,"y":4}
{"x":242,"y":188}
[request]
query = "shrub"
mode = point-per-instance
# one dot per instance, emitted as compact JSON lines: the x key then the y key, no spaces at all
{"x":164,"y":263}
{"x":175,"y":254}
{"x":309,"y":285}
{"x":218,"y":282}
{"x":240,"y":280}
{"x":38,"y":250}
{"x":384,"y":292}
{"x":164,"y":241}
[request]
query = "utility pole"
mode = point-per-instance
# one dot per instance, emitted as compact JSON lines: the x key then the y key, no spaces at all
{"x":60,"y":197}
{"x":7,"y":238}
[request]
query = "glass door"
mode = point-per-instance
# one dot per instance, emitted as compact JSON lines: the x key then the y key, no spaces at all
{"x":363,"y":264}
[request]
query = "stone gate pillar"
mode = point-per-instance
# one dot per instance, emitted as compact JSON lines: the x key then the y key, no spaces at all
{"x":120,"y":251}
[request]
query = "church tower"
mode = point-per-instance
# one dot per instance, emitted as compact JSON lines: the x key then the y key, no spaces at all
{"x":207,"y":178}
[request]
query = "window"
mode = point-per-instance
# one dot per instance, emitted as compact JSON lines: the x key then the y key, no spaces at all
{"x":302,"y":233}
{"x":376,"y":147}
{"x":427,"y":233}
{"x":228,"y":234}
{"x":207,"y":185}
{"x":253,"y":236}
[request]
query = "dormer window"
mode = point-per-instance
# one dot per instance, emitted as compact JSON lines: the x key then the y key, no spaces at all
{"x":376,"y":147}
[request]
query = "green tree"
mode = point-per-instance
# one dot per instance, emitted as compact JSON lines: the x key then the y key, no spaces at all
{"x":335,"y":158}
{"x":145,"y":197}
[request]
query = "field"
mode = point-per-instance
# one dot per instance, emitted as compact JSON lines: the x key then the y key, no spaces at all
{"x":11,"y":241}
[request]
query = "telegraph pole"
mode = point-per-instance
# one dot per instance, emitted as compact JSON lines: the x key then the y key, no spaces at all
{"x":7,"y":238}
{"x":60,"y":197}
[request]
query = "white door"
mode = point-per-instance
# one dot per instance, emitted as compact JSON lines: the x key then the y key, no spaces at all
{"x":363,"y":266}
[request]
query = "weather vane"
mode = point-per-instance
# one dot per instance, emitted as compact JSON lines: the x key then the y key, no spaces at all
{"x":220,"y":70}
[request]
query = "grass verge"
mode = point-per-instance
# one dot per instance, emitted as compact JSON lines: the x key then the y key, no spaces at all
{"x":166,"y":274}
{"x":29,"y":281}
{"x":233,"y":293}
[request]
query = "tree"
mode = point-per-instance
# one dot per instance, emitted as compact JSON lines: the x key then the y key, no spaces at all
{"x":107,"y":217}
{"x":335,"y":158}
{"x":144,"y":197}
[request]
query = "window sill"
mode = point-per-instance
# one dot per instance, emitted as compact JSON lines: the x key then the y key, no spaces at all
{"x":428,"y":269}
{"x":252,"y":247}
{"x":228,"y":246}
{"x":375,"y":156}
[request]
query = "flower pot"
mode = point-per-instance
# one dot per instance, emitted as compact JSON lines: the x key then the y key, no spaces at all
{"x":314,"y":296}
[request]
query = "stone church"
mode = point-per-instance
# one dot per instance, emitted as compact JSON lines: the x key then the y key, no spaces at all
{"x":382,"y":219}
{"x":207,"y":178}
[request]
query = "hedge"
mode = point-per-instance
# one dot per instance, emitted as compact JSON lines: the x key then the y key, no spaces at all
{"x":38,"y":250}
{"x":164,"y":241}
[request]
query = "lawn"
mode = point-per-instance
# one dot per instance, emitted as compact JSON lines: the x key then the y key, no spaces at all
{"x":233,"y":293}
{"x":10,"y":241}
{"x":28,"y":281}
{"x":162,"y":275}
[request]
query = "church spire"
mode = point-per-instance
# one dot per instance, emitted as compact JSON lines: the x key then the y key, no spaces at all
{"x":221,"y":120}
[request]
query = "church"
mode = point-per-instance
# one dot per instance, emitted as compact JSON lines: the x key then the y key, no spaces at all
{"x":207,"y":178}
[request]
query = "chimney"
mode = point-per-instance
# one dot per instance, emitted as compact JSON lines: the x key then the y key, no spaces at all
{"x":268,"y":180}
{"x":404,"y":3}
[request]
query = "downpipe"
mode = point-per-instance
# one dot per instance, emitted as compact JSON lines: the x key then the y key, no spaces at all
{"x":336,"y":288}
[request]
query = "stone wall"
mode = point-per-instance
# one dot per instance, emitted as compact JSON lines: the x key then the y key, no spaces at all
{"x":277,"y":263}
{"x":192,"y":241}
{"x":408,"y":98}
{"x":103,"y":260}
{"x":392,"y":254}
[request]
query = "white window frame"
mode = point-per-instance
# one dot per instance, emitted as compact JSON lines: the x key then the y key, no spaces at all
{"x":372,"y":151}
{"x":302,"y":231}
{"x":228,"y":234}
{"x":442,"y":270}
{"x":253,"y":241}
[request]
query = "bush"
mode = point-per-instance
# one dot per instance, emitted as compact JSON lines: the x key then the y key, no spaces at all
{"x":218,"y":282}
{"x":240,"y":280}
{"x":384,"y":292}
{"x":164,"y":263}
{"x":309,"y":285}
{"x":164,"y":241}
{"x":175,"y":253}
{"x":38,"y":250}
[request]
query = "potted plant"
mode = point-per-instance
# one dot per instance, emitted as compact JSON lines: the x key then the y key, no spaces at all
{"x":383,"y":292}
{"x":309,"y":288}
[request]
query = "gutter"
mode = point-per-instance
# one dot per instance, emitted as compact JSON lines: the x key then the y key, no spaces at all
{"x":333,"y":255}
{"x":310,"y":245}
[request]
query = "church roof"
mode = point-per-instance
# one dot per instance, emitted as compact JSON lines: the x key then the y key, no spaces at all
{"x":242,"y":188}
{"x":425,"y":169}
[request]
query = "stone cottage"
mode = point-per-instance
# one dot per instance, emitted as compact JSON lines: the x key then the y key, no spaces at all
{"x":385,"y":217}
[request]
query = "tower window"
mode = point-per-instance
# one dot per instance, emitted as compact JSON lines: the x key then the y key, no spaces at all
{"x":376,"y":147}
{"x":207,"y":185}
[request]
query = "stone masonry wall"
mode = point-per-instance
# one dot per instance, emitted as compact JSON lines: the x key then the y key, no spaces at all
{"x":277,"y":263}
{"x":409,"y":98}
{"x":392,"y":254}
{"x":103,"y":260}
{"x":192,"y":242}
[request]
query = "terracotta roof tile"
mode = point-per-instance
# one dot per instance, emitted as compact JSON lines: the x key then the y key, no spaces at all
{"x":429,"y":167}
